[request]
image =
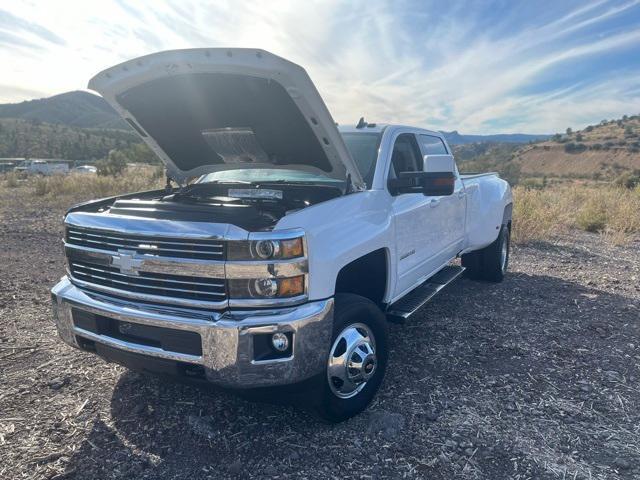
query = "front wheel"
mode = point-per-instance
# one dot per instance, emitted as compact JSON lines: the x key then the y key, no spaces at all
{"x":357,"y":359}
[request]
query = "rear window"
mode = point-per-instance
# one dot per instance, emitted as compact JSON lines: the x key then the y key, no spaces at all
{"x":431,"y":145}
{"x":364,"y":150}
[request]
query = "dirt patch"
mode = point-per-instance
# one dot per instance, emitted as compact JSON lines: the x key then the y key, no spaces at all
{"x":536,"y":377}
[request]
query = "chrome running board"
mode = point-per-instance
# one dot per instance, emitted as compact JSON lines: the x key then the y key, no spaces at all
{"x":419,"y":296}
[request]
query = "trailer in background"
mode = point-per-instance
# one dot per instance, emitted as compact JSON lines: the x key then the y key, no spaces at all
{"x":41,"y":166}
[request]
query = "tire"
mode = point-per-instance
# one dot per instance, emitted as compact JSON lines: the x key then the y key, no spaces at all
{"x":358,"y":318}
{"x":491,"y":262}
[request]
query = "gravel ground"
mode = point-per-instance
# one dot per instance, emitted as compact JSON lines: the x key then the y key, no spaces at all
{"x":536,"y":377}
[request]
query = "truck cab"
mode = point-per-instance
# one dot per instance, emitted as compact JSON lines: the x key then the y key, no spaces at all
{"x":287,"y":244}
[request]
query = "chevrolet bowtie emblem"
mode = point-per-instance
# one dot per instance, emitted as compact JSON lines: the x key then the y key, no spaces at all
{"x":126,"y":261}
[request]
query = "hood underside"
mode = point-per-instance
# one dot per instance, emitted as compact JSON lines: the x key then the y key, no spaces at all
{"x":207,"y":110}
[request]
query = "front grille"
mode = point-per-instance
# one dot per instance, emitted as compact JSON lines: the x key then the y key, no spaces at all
{"x":202,"y":249}
{"x":161,"y":284}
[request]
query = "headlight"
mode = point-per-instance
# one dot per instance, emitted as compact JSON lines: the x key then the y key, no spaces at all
{"x":264,"y":288}
{"x":265,"y":249}
{"x":269,"y":268}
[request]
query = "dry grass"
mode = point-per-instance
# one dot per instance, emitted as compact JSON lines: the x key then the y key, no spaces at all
{"x":11,"y":180}
{"x":541,"y":214}
{"x":79,"y":187}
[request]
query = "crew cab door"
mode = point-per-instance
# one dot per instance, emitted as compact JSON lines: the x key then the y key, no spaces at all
{"x":452,"y":208}
{"x":420,"y":223}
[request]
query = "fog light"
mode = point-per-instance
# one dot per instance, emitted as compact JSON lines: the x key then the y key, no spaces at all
{"x":280,"y":341}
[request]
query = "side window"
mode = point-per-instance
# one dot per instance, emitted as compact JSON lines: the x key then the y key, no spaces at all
{"x":406,"y":156}
{"x":432,"y":145}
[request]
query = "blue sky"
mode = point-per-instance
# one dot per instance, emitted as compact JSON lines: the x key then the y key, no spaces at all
{"x":477,"y":67}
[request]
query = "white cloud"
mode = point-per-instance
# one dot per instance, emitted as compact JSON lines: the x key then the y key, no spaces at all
{"x":386,"y":61}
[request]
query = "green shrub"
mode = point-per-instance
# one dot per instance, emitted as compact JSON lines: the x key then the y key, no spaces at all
{"x":158,"y":172}
{"x":592,"y":217}
{"x":629,"y":180}
{"x":11,"y":180}
{"x":41,"y":186}
{"x":574,"y":147}
{"x":113,"y":165}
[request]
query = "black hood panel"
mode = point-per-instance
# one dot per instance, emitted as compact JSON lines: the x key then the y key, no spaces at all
{"x":177,"y":111}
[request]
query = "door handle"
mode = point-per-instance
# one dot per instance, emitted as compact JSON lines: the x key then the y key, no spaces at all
{"x":461,"y":194}
{"x":434,"y":202}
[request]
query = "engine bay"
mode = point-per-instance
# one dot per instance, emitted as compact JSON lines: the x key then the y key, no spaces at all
{"x":254,"y":207}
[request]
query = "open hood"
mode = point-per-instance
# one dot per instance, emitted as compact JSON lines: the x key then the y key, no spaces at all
{"x":206,"y":110}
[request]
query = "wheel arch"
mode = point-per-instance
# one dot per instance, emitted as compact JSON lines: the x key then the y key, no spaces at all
{"x":507,"y":215}
{"x":367,"y":276}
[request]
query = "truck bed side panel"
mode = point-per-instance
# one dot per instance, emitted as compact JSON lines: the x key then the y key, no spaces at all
{"x":487,"y":197}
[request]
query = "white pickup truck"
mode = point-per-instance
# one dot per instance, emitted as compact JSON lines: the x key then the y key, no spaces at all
{"x":287,"y":244}
{"x":42,"y":167}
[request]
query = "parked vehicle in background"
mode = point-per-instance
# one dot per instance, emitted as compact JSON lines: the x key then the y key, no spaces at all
{"x":42,"y":167}
{"x":85,"y":169}
{"x":284,"y":261}
{"x":7,"y":167}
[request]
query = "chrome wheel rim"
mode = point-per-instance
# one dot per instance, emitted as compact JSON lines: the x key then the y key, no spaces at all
{"x":504,"y":253}
{"x":352,"y":360}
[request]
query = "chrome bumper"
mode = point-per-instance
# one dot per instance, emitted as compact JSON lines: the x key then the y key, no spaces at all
{"x":227,"y":338}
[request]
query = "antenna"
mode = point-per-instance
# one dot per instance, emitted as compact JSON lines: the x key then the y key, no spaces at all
{"x":361,"y":123}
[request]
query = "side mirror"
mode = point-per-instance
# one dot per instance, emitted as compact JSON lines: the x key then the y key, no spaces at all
{"x":440,"y":175}
{"x":437,"y":179}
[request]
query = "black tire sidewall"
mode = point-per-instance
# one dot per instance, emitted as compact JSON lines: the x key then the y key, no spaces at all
{"x":506,"y":237}
{"x":350,"y":309}
{"x":492,"y":270}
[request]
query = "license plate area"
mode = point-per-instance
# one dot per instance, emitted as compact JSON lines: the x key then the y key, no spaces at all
{"x":168,"y":339}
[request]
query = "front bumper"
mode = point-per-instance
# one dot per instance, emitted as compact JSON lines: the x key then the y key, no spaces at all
{"x":227,"y":338}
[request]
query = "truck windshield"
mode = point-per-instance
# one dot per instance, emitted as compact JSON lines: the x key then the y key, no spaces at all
{"x":267,"y":175}
{"x":362,"y":146}
{"x":364,"y":150}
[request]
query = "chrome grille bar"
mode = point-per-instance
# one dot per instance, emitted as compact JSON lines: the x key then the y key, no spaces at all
{"x":200,"y":289}
{"x":204,"y":249}
{"x":186,"y":281}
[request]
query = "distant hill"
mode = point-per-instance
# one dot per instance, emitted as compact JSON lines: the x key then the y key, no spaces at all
{"x":74,"y":109}
{"x":605,"y":150}
{"x":34,"y":139}
{"x":455,"y":138}
{"x":598,"y":152}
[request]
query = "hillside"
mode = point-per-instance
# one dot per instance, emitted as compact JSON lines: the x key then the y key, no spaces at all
{"x":74,"y":109}
{"x":455,"y":138}
{"x":599,"y":151}
{"x":29,"y":138}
